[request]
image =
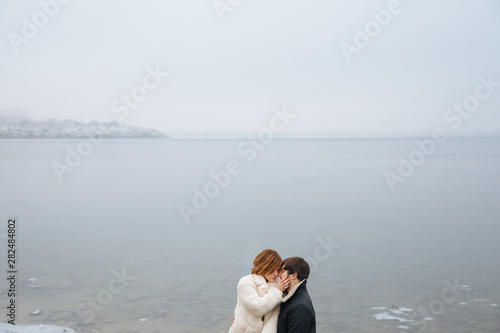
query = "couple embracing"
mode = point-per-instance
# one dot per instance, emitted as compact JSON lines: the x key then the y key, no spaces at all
{"x":266,"y":305}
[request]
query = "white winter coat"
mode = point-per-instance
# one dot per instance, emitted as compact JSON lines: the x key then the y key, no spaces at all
{"x":257,"y":299}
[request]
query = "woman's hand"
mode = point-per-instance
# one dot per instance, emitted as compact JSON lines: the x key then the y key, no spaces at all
{"x":283,"y":284}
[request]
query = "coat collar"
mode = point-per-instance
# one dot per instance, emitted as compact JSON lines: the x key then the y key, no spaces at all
{"x":259,"y":279}
{"x":262,"y":284}
{"x":293,"y":290}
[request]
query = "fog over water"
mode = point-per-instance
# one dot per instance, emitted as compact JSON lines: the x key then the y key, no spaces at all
{"x":361,"y":135}
{"x":346,"y":68}
{"x":117,"y":214}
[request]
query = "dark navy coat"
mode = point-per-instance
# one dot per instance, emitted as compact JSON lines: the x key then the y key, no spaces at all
{"x":297,"y":313}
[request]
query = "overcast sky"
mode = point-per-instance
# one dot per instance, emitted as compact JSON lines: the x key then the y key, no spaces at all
{"x":229,"y":68}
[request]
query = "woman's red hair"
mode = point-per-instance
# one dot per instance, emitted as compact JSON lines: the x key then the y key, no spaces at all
{"x":267,"y":262}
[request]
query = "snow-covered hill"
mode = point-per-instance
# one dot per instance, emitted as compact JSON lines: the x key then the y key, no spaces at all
{"x":71,"y":129}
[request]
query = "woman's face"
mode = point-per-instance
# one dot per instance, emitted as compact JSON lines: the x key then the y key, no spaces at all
{"x":270,"y":277}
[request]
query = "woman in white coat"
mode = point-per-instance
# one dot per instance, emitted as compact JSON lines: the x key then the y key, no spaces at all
{"x":260,"y":296}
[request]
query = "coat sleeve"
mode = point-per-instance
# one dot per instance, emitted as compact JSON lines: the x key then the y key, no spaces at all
{"x":256,"y":304}
{"x":299,"y":320}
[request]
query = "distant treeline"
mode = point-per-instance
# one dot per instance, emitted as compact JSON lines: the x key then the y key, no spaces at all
{"x":71,"y":129}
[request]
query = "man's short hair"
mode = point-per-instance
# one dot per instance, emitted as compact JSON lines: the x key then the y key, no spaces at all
{"x":297,"y":265}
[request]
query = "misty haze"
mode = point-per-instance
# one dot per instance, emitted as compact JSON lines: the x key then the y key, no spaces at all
{"x":150,"y":151}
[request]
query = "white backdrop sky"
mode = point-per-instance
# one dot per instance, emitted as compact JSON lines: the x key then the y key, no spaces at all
{"x":228,"y":75}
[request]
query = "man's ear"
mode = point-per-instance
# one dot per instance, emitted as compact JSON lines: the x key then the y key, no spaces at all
{"x":294,"y":275}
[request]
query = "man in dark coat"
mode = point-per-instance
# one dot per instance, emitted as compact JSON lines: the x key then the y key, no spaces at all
{"x":297,"y":311}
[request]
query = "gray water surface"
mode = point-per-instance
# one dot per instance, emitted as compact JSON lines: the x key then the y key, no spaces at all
{"x":117,"y":214}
